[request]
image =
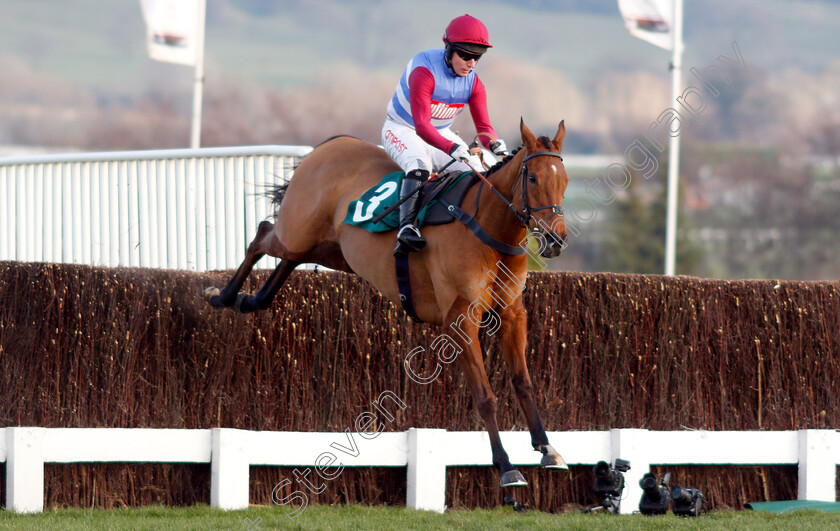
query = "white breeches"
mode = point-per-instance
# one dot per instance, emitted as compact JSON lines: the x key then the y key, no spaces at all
{"x":411,"y":152}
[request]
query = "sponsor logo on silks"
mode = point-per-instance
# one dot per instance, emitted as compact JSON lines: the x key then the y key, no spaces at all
{"x":396,"y":142}
{"x":444,"y":111}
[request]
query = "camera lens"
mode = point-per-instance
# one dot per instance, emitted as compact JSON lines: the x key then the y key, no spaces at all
{"x":679,"y":494}
{"x":602,"y":470}
{"x":648,"y":482}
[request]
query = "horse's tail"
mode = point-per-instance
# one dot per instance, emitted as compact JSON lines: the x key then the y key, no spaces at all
{"x":277,"y":193}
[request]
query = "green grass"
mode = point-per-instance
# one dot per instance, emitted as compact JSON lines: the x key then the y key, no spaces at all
{"x":368,"y":518}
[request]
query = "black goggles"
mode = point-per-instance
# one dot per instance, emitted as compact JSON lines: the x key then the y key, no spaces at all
{"x":467,"y":56}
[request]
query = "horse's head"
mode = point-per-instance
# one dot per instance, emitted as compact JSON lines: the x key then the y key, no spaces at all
{"x":539,"y":188}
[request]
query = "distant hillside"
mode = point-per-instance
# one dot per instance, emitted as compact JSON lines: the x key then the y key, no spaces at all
{"x":100,"y":44}
{"x":294,"y":71}
{"x":76,"y":75}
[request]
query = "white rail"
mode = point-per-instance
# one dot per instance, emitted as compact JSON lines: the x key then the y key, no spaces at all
{"x":194,"y":209}
{"x":424,"y":452}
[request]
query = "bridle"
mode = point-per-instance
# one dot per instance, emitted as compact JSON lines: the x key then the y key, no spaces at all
{"x":526,"y":215}
{"x":527,"y":211}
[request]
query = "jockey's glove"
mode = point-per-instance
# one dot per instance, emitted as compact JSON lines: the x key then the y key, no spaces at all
{"x":460,"y":152}
{"x":499,"y":148}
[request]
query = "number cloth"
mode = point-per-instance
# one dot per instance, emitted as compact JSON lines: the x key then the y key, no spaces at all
{"x":376,"y":200}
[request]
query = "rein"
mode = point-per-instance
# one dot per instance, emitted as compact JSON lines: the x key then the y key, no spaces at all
{"x":524,"y":218}
{"x":527,"y":212}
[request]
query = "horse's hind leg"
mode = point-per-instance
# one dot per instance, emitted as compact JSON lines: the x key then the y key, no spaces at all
{"x":327,"y":253}
{"x":513,"y":339}
{"x":227,"y":296}
{"x":262,"y":299}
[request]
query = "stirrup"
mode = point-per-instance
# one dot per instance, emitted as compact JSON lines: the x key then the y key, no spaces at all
{"x":409,"y":240}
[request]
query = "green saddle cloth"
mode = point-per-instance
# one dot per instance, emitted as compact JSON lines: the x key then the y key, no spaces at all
{"x":376,"y":200}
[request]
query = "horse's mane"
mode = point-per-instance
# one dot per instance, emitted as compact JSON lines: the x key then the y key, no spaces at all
{"x":496,"y":167}
{"x":544,"y":140}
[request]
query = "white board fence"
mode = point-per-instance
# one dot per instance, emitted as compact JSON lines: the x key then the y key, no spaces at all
{"x":190,"y":209}
{"x":424,"y":452}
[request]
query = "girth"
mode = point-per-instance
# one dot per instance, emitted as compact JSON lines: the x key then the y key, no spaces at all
{"x":455,"y":212}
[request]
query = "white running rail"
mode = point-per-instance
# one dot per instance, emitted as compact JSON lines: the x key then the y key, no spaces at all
{"x":191,"y":209}
{"x":424,"y":452}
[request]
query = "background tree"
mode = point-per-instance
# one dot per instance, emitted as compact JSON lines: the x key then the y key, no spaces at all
{"x":637,"y":224}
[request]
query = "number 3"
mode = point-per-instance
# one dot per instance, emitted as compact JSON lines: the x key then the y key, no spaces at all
{"x":381,"y":193}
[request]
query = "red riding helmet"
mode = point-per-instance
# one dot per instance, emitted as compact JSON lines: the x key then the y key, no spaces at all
{"x":469,"y":33}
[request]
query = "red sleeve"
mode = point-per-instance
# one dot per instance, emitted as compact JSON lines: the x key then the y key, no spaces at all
{"x":421,"y":84}
{"x":478,"y":110}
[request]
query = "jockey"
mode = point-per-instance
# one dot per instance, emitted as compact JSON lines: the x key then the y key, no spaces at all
{"x":432,"y":91}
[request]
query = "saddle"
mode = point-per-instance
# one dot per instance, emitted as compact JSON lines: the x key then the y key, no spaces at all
{"x":440,"y":203}
{"x":367,"y":211}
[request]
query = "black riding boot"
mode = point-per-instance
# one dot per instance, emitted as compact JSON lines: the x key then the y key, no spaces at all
{"x":408,"y":237}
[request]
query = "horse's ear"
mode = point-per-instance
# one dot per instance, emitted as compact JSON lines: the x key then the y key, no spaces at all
{"x":561,"y":134}
{"x":528,"y":138}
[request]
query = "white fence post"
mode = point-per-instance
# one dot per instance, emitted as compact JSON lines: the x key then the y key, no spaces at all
{"x":426,"y":470}
{"x":25,"y":469}
{"x":631,"y":445}
{"x":818,"y":458}
{"x":229,"y":469}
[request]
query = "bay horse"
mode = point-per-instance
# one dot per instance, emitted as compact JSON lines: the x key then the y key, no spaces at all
{"x":447,"y":276}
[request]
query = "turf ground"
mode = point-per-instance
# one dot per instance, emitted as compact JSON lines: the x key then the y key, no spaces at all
{"x":371,"y":518}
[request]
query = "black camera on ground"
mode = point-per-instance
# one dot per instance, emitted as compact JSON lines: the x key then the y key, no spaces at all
{"x":609,"y":482}
{"x":657,"y":496}
{"x":687,"y":502}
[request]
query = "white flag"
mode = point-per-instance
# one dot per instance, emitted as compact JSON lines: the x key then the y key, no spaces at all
{"x":651,"y":20}
{"x":172,"y":29}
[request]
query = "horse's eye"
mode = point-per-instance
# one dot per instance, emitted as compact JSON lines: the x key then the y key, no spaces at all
{"x":532,"y":178}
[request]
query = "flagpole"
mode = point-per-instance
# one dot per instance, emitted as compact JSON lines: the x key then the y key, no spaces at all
{"x":674,"y":146}
{"x":198,"y":82}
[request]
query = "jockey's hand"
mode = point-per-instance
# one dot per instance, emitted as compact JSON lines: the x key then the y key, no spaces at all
{"x":460,"y":152}
{"x":499,"y":148}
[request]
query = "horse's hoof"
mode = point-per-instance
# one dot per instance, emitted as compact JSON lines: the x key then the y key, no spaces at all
{"x":552,"y":460}
{"x":214,"y":297}
{"x":553,"y":463}
{"x":243,"y":303}
{"x":510,"y":500}
{"x":209,"y":293}
{"x":513,"y":478}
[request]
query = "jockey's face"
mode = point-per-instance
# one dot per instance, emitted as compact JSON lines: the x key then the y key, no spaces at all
{"x":461,"y":66}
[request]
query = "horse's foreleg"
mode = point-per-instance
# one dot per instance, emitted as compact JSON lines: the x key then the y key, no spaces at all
{"x":513,"y":340}
{"x":472,"y":363}
{"x":227,"y":296}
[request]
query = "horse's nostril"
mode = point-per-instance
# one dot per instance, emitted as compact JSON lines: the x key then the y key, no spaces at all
{"x":551,"y":251}
{"x":556,"y":240}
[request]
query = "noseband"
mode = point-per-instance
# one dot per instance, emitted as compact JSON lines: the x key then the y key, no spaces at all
{"x":526,"y":215}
